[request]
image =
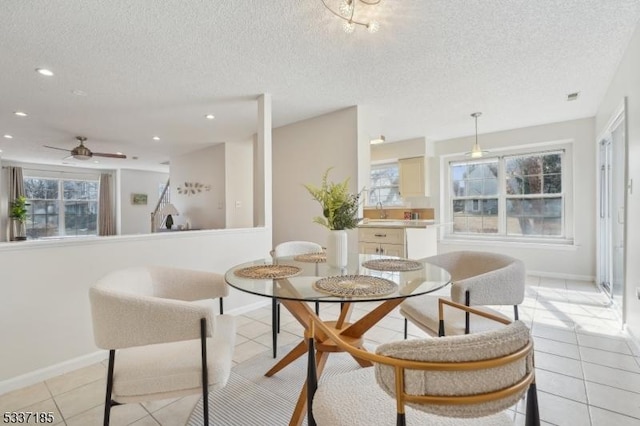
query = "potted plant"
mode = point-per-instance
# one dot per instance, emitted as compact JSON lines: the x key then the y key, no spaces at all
{"x":18,"y":215}
{"x":339,"y":212}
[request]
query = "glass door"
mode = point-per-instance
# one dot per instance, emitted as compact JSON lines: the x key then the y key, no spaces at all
{"x":612,"y":197}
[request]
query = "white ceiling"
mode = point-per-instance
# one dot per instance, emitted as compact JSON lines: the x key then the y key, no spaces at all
{"x":157,"y":67}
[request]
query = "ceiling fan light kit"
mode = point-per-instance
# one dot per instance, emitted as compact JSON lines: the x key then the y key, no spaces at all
{"x":81,"y":152}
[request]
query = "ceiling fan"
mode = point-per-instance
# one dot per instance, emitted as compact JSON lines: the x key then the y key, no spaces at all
{"x":81,"y":152}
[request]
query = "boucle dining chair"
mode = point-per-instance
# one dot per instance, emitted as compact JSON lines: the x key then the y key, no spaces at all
{"x":288,"y":248}
{"x":477,"y":279}
{"x":161,"y":323}
{"x":455,"y":380}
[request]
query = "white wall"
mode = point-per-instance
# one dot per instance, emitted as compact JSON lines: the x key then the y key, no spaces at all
{"x":44,"y":308}
{"x":204,"y":210}
{"x":401,"y":149}
{"x":136,"y":219}
{"x":301,"y":153}
{"x":407,"y":148}
{"x":576,"y":261}
{"x":626,"y":82}
{"x":239,"y":181}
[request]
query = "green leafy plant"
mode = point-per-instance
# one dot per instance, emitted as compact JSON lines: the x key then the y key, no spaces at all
{"x":19,"y":209}
{"x":339,"y":206}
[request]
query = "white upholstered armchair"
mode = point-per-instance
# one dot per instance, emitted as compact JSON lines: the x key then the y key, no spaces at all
{"x":161,"y":323}
{"x":457,"y":380}
{"x":477,"y":279}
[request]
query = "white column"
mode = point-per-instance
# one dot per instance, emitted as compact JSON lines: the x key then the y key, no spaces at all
{"x":263,"y":165}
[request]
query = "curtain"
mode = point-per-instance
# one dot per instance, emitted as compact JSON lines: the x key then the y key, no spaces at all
{"x":16,"y":189}
{"x":106,"y":223}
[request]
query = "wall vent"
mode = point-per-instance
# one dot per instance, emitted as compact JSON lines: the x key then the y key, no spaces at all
{"x":572,"y":96}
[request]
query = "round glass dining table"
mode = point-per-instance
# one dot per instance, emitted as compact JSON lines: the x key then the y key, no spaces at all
{"x":424,"y":279}
{"x":302,"y":279}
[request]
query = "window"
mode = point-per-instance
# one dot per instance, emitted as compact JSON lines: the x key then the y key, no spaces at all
{"x":60,"y":207}
{"x":517,"y":195}
{"x":385,"y":184}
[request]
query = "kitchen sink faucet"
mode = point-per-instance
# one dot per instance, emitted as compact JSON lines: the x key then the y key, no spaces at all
{"x":383,"y":214}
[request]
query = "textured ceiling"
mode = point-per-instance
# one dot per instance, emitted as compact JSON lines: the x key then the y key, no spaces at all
{"x":156,"y":68}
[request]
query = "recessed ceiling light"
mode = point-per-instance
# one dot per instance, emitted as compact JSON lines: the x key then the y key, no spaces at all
{"x":156,"y":138}
{"x":209,"y":116}
{"x":96,"y":161}
{"x":79,"y":92}
{"x":8,"y":137}
{"x":20,"y":113}
{"x":45,"y":72}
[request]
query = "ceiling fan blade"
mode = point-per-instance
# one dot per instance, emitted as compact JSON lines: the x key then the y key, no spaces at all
{"x":54,"y":147}
{"x":68,"y":157}
{"x":102,"y":154}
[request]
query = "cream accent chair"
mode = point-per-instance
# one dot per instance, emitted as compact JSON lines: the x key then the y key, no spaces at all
{"x":477,"y":278}
{"x":454,"y":381}
{"x":168,"y":339}
{"x":288,"y":248}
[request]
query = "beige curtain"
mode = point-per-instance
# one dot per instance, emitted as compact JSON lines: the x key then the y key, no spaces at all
{"x":16,"y":189}
{"x":106,"y":222}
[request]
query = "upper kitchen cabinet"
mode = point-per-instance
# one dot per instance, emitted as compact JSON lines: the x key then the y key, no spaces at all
{"x":413,"y":177}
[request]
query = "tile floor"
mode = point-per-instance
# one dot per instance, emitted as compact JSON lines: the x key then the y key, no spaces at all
{"x":588,"y":371}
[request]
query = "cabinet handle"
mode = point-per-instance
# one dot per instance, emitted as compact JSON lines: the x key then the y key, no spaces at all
{"x":380,"y":235}
{"x":377,"y":249}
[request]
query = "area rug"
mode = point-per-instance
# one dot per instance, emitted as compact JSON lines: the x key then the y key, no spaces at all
{"x":250,"y":398}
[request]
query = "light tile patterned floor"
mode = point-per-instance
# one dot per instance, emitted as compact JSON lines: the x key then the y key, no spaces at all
{"x":587,"y":370}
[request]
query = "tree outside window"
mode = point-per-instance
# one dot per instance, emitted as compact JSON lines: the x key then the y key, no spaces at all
{"x":514,"y":195}
{"x":61,"y":207}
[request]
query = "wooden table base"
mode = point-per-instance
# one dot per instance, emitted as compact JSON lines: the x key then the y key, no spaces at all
{"x":352,"y":332}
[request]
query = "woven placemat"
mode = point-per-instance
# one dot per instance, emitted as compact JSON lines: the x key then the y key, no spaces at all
{"x":392,"y":265}
{"x":355,"y":285}
{"x":268,"y":271}
{"x":311,"y":257}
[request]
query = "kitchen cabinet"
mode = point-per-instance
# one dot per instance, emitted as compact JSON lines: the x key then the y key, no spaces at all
{"x":388,"y":241}
{"x":410,"y":241}
{"x":413,"y":177}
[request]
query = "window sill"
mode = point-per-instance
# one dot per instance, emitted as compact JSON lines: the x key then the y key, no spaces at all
{"x":559,"y":244}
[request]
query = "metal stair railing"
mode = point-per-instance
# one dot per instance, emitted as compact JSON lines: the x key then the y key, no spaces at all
{"x":155,"y":214}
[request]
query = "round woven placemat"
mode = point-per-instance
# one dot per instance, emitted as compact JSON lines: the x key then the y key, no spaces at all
{"x":355,"y":285}
{"x":268,"y":271}
{"x":311,"y":257}
{"x":392,"y":265}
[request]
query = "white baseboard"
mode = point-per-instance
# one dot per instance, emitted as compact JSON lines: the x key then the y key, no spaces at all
{"x":46,"y":373}
{"x":634,"y":339}
{"x":248,"y":308}
{"x":562,"y":276}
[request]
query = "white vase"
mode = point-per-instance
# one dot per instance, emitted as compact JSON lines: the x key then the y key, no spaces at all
{"x":337,"y":255}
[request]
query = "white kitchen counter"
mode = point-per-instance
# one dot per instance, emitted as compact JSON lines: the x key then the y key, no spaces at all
{"x":392,"y":223}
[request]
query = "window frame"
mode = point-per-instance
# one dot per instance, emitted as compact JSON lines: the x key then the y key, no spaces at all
{"x":446,"y":188}
{"x":379,"y":165}
{"x":60,"y":177}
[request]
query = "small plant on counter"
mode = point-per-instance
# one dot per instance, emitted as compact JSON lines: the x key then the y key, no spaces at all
{"x":19,"y":209}
{"x":339,"y":206}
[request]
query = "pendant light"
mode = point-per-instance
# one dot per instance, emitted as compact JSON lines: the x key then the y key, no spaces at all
{"x":476,"y":151}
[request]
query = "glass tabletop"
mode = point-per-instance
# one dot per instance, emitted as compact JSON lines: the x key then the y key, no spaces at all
{"x":426,"y":278}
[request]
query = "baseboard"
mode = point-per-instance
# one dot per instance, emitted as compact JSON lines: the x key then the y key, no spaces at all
{"x":634,"y":339}
{"x":248,"y":308}
{"x":562,"y":276}
{"x":46,"y":373}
